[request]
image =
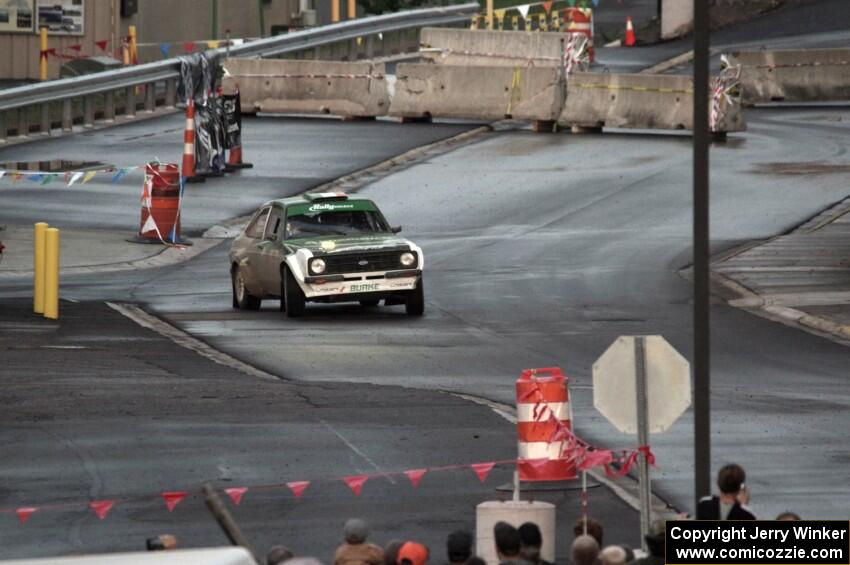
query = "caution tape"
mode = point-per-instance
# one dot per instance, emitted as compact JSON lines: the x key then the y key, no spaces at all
{"x":487,"y":54}
{"x":799,"y":65}
{"x":633,"y":88}
{"x":332,"y":75}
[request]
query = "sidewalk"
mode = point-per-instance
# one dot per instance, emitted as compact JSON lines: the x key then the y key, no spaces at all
{"x":801,"y":278}
{"x":88,"y":251}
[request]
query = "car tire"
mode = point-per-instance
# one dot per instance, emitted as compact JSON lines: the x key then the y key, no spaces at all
{"x":415,"y":305}
{"x":242,"y":299}
{"x":371,"y":303}
{"x":292,"y":295}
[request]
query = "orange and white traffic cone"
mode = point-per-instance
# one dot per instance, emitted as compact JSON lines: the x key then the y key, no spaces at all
{"x":188,"y":171}
{"x":630,"y":33}
{"x":234,"y":156}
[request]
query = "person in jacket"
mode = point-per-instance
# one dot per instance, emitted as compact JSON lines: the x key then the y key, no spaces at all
{"x":355,"y":550}
{"x":731,"y":504}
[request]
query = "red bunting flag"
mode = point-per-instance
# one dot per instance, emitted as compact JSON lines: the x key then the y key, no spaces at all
{"x":235,"y":494}
{"x":536,"y":463}
{"x":102,"y":44}
{"x":101,"y":507}
{"x":76,"y":47}
{"x":415,"y":475}
{"x":547,"y":6}
{"x":356,"y":483}
{"x":595,"y":458}
{"x":24,"y":514}
{"x":172,"y":499}
{"x":482,"y":470}
{"x":189,"y":46}
{"x":298,"y":487}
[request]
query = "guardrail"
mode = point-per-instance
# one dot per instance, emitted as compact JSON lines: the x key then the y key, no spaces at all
{"x":101,"y":97}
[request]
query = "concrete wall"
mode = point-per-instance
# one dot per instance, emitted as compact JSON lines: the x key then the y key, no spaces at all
{"x":19,"y":52}
{"x":311,"y":87}
{"x":799,"y":75}
{"x":677,"y":18}
{"x":482,"y":47}
{"x":524,"y":93}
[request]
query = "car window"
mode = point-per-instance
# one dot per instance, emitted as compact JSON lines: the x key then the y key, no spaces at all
{"x":257,"y":225}
{"x":334,"y":218}
{"x":273,"y":224}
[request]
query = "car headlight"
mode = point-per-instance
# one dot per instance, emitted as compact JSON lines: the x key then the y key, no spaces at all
{"x":317,"y":266}
{"x":407,"y":259}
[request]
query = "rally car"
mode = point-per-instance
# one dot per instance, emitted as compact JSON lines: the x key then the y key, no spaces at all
{"x":324,"y":247}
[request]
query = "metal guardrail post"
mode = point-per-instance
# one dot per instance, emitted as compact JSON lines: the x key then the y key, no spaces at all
{"x":109,"y":106}
{"x":170,"y":93}
{"x":3,"y":127}
{"x":45,"y":119}
{"x":67,"y":116}
{"x":150,"y":97}
{"x":130,"y":102}
{"x":88,"y":111}
{"x":23,"y":122}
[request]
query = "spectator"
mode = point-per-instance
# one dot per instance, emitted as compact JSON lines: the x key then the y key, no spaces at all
{"x":508,"y":543}
{"x":630,"y":553}
{"x":355,"y":550}
{"x":475,"y":560}
{"x":162,"y":542}
{"x":731,"y":504}
{"x":412,"y":553}
{"x":655,"y":545}
{"x":788,"y":517}
{"x":531,"y":540}
{"x":459,"y":547}
{"x":391,"y":551}
{"x":278,"y":554}
{"x":585,"y":550}
{"x":613,"y":555}
{"x":594,"y":529}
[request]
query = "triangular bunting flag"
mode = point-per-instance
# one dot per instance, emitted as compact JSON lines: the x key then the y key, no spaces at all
{"x":172,"y":499}
{"x":149,"y":226}
{"x":120,"y":173}
{"x":236,"y":494}
{"x":415,"y":475}
{"x":48,"y":178}
{"x":75,"y":177}
{"x":536,"y":463}
{"x":189,"y":46}
{"x":499,"y":14}
{"x":482,"y":470}
{"x":16,"y":177}
{"x":88,"y":176}
{"x":76,"y":47}
{"x":355,"y":483}
{"x":37,"y":177}
{"x":24,"y":514}
{"x":298,"y":487}
{"x":102,"y":44}
{"x":164,"y":48}
{"x":523,"y":9}
{"x":547,"y":6}
{"x":212,"y":44}
{"x":101,"y":507}
{"x":2,"y":173}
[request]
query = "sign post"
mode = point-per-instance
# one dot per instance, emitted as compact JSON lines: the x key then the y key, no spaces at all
{"x":642,"y":385}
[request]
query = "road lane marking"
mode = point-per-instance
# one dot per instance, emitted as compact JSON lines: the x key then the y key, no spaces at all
{"x":358,"y":452}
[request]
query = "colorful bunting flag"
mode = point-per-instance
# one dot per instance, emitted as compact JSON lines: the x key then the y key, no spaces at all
{"x":75,"y":177}
{"x":164,"y":48}
{"x":173,"y":498}
{"x":415,"y":475}
{"x":547,"y":6}
{"x":37,"y":177}
{"x":189,"y":46}
{"x":523,"y":9}
{"x":102,"y":44}
{"x":213,"y":44}
{"x":48,"y":178}
{"x":482,"y":470}
{"x":236,"y":494}
{"x":2,"y":173}
{"x":298,"y":487}
{"x":101,"y":507}
{"x":119,"y":174}
{"x":24,"y":514}
{"x":355,"y":483}
{"x":88,"y":176}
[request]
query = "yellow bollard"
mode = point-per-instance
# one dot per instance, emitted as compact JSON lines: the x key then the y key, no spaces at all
{"x":490,"y":14}
{"x":51,"y":274}
{"x":38,"y":268}
{"x":352,"y":9}
{"x":134,"y":53}
{"x":334,"y":11}
{"x":42,"y":56}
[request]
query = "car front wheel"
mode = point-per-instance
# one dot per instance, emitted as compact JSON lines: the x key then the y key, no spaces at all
{"x":292,"y":295}
{"x":415,"y":305}
{"x":242,"y":299}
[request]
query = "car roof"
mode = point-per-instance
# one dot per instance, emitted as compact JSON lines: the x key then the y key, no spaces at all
{"x":310,"y":197}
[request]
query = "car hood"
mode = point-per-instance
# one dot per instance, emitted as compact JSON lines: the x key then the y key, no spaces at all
{"x":341,"y":244}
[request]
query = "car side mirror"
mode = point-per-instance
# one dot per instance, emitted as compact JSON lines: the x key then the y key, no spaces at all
{"x":395,"y":229}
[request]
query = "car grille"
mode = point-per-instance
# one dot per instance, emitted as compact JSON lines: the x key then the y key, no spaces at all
{"x":351,"y":262}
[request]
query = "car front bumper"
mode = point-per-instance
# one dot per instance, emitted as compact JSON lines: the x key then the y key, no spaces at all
{"x":360,"y":283}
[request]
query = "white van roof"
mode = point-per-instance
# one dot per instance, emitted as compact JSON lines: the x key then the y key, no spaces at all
{"x":210,"y":556}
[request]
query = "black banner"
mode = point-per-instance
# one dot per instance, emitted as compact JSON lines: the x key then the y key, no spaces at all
{"x":232,"y":121}
{"x":764,"y":542}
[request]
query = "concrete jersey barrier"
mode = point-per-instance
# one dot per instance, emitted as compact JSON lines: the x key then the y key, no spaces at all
{"x":498,"y":48}
{"x":596,"y":100}
{"x":523,"y":93}
{"x":794,"y":75}
{"x":309,"y":87}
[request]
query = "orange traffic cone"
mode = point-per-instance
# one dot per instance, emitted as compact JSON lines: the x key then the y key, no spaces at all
{"x":188,"y":171}
{"x":234,"y":157}
{"x":630,"y":33}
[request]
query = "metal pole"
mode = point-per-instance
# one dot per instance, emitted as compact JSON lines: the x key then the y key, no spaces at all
{"x":490,"y":14}
{"x":702,"y":327}
{"x":643,"y":437}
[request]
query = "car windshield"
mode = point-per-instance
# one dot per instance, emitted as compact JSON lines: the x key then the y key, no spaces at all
{"x":328,"y":219}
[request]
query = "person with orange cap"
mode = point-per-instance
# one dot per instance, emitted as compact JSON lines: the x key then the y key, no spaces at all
{"x":412,"y":553}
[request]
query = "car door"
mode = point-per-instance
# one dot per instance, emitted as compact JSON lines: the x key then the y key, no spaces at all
{"x":270,"y":253}
{"x":251,"y":260}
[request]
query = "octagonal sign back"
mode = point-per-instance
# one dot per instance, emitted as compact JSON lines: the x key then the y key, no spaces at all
{"x":668,"y":380}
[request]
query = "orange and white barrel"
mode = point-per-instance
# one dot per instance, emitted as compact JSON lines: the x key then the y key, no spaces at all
{"x":543,"y":415}
{"x":580,"y":20}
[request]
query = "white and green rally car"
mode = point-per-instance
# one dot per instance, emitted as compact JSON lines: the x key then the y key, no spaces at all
{"x":324,"y":247}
